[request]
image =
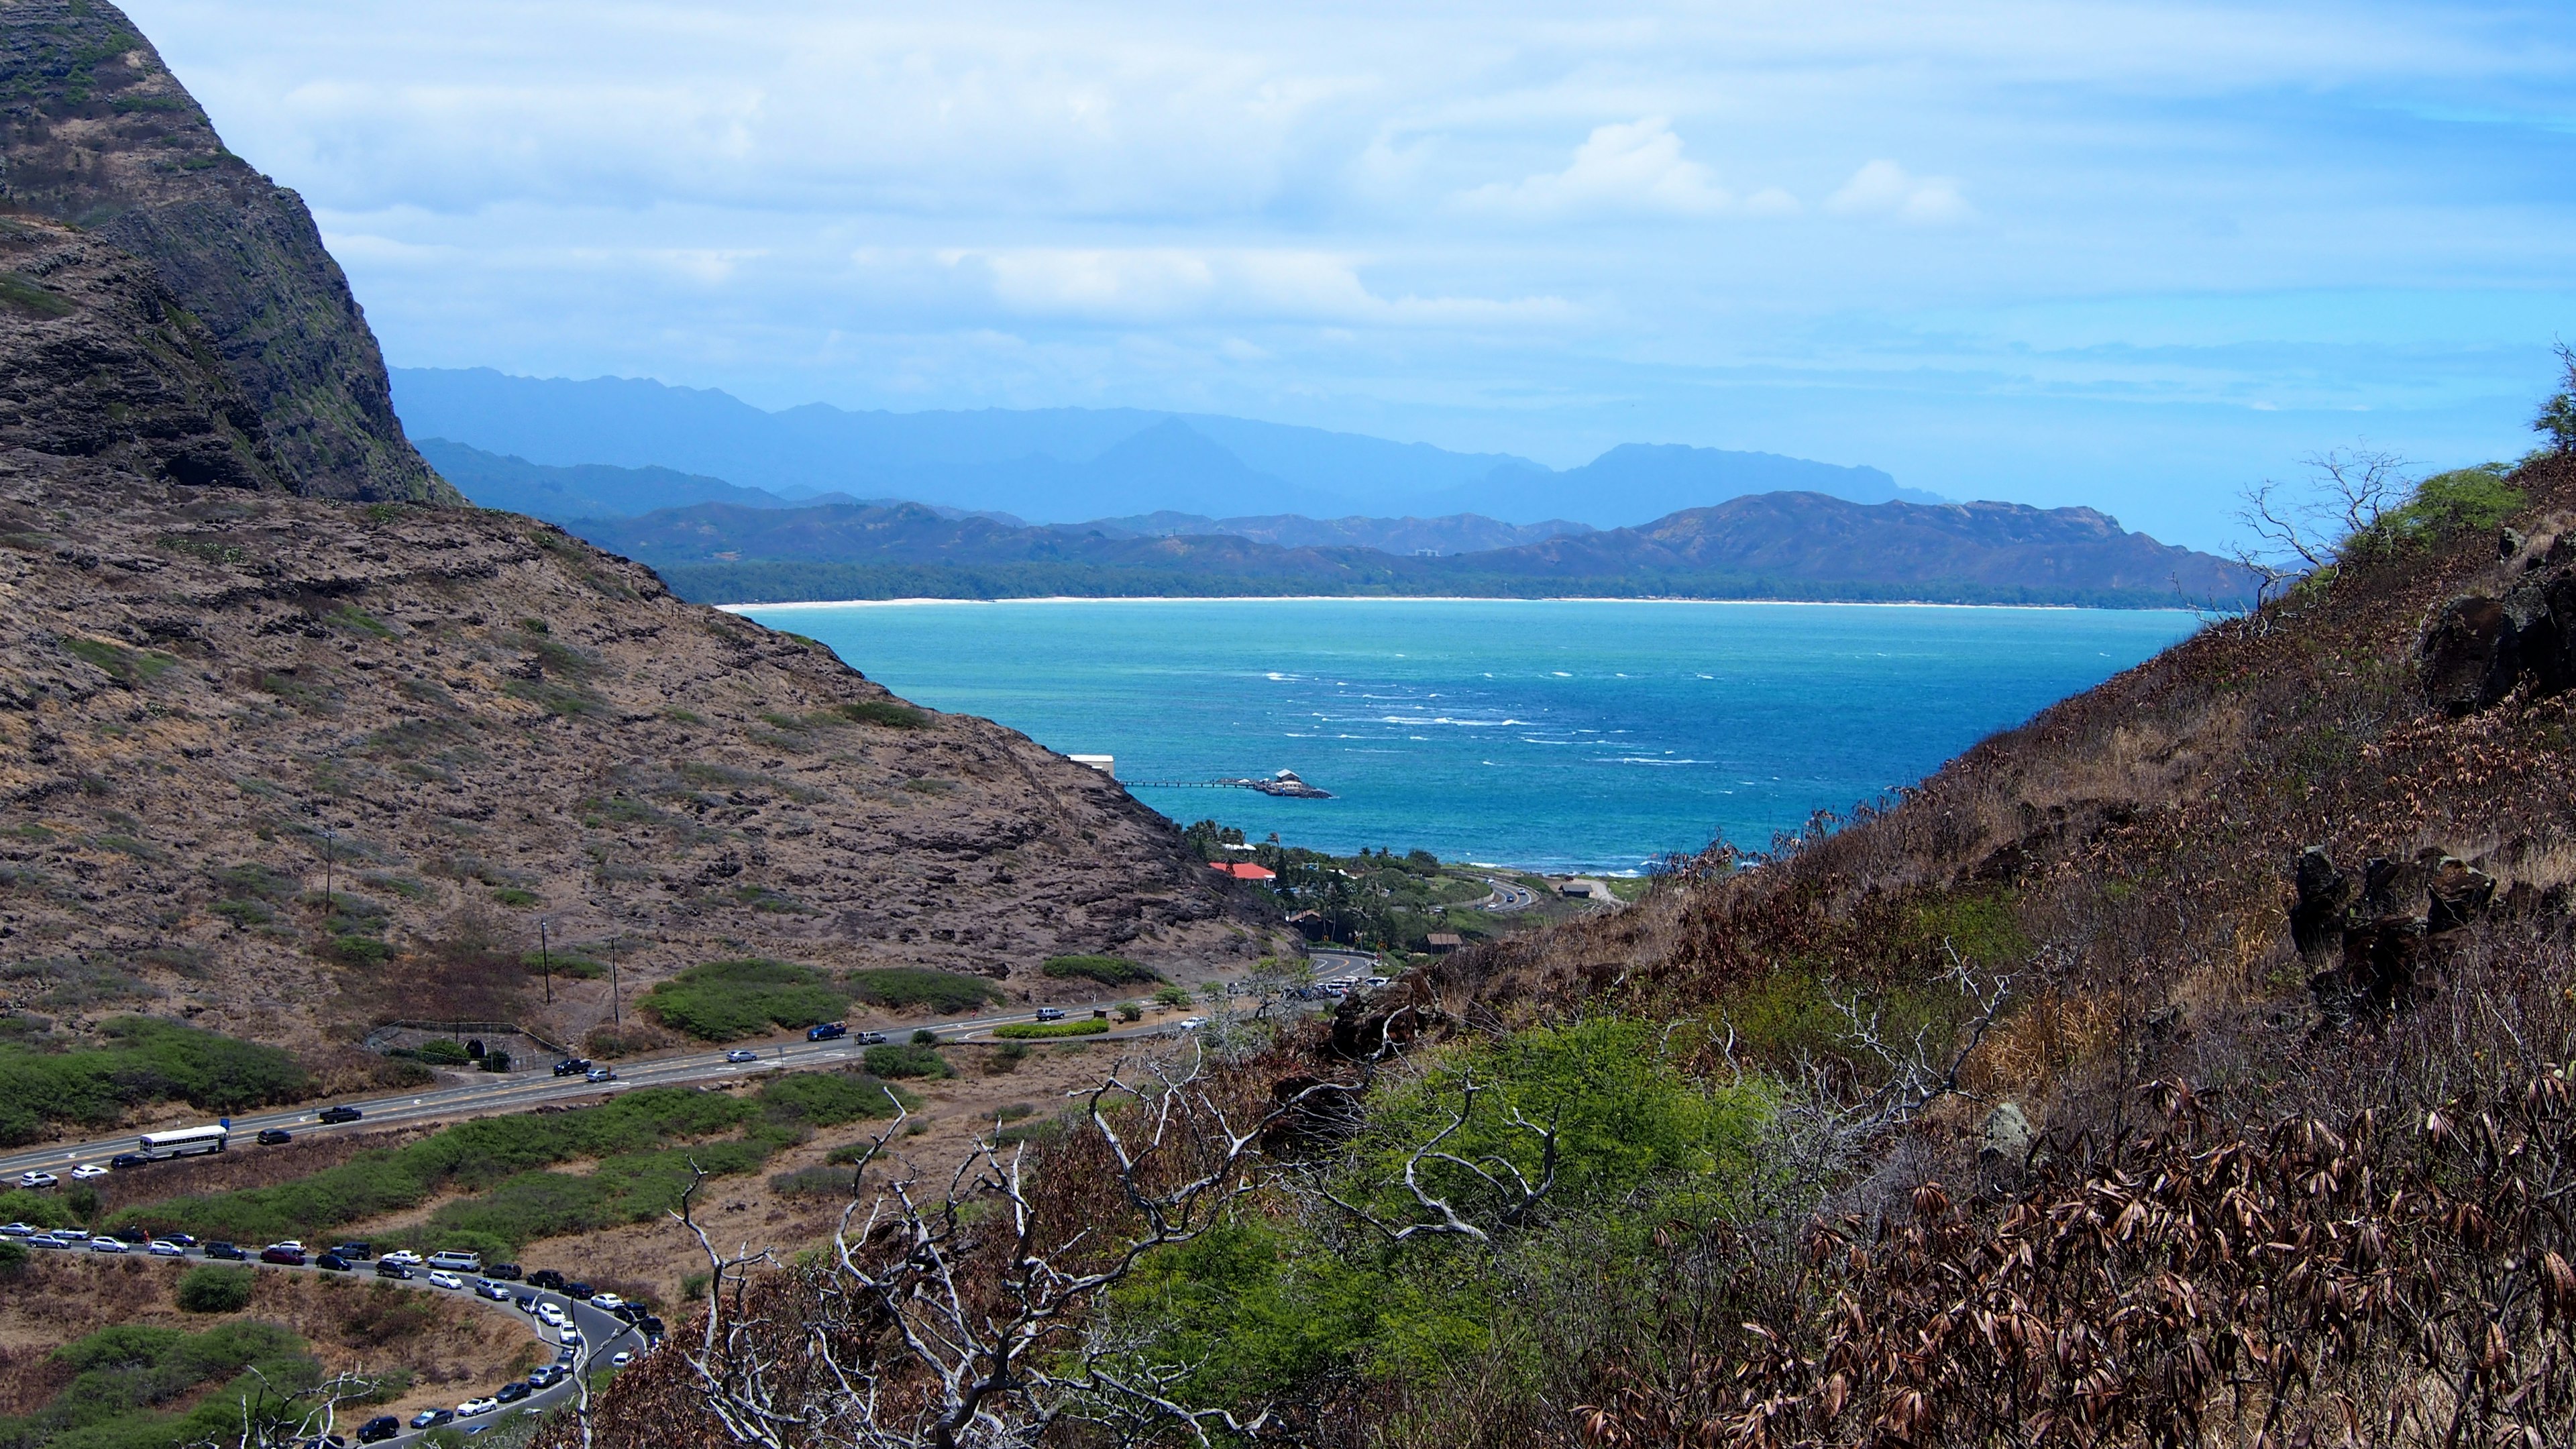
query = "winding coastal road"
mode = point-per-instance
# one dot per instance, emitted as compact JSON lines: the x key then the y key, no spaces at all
{"x":520,"y":1091}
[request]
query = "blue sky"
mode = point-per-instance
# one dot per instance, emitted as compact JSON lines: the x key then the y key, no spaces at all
{"x":2129,"y":255}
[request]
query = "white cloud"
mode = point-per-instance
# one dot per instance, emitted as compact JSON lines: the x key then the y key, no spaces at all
{"x":1167,"y":284}
{"x":1623,"y":168}
{"x":1885,"y":189}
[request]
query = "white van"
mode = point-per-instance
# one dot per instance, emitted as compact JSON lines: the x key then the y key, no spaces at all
{"x":455,"y":1262}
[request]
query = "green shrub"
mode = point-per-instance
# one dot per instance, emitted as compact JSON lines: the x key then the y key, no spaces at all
{"x":1174,"y":996}
{"x":209,"y":1289}
{"x":561,"y":964}
{"x":13,"y":1257}
{"x":924,"y":1036}
{"x":883,"y":712}
{"x":439,"y":1051}
{"x":837,"y":1182}
{"x":356,"y":950}
{"x":1035,"y":1030}
{"x":906,"y":1061}
{"x":144,"y":1060}
{"x":899,"y":988}
{"x":1130,"y":1011}
{"x":45,"y":1210}
{"x":723,"y":1000}
{"x":514,"y":897}
{"x":1107,"y":970}
{"x":821,"y":1099}
{"x":1006,"y":1057}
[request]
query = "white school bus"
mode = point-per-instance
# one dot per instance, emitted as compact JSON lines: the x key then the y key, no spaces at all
{"x":185,"y":1142}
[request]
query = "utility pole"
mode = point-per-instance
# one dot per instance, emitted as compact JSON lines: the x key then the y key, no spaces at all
{"x":328,"y":839}
{"x":614,"y":1009}
{"x":546,"y":963}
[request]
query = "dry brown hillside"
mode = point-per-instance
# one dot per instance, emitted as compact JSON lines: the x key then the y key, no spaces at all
{"x":211,"y":697}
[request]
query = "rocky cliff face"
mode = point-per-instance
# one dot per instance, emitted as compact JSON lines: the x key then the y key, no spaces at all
{"x":290,"y":766}
{"x":95,"y":132}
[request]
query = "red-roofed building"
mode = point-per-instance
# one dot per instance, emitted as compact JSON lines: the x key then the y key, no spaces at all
{"x":1240,"y":870}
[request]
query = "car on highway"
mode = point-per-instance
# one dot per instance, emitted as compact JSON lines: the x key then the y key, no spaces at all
{"x":164,"y":1248}
{"x":551,"y":1316}
{"x":486,"y":1288}
{"x":388,"y":1268}
{"x":828,"y":1031}
{"x":1050,"y":1013}
{"x":356,"y":1252}
{"x":572,"y":1066}
{"x":575,"y":1288}
{"x":739,"y":1055}
{"x":432,"y":1418}
{"x":105,"y":1244}
{"x":125,"y":1160}
{"x":472,"y":1407}
{"x":18,"y":1230}
{"x":513,"y":1391}
{"x":130,"y":1236}
{"x":606,"y":1302}
{"x":525,"y":1302}
{"x":506,"y":1272}
{"x":1193,"y":1023}
{"x":870,"y":1038}
{"x":621,"y":1358}
{"x":182,"y":1239}
{"x":275,"y":1137}
{"x":546,"y":1376}
{"x":35,"y":1180}
{"x":378,"y":1429}
{"x":405,"y":1257}
{"x":224,"y":1251}
{"x":441,"y":1278}
{"x":546,"y":1278}
{"x":332,"y":1263}
{"x":338,"y":1114}
{"x":88,"y":1170}
{"x":283,"y":1255}
{"x":568,"y":1334}
{"x":600,"y":1074}
{"x":54,"y":1240}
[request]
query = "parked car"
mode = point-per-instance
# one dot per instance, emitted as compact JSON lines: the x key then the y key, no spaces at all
{"x":1193,"y":1023}
{"x":164,"y":1248}
{"x":441,"y":1278}
{"x":1050,"y":1013}
{"x":388,"y":1268}
{"x":546,"y":1376}
{"x":131,"y":1237}
{"x":338,"y":1114}
{"x":486,"y":1288}
{"x":378,"y":1429}
{"x":456,"y":1262}
{"x":129,"y":1159}
{"x":546,"y":1278}
{"x":606,"y":1302}
{"x":332,"y":1263}
{"x":870,"y":1038}
{"x":289,"y":1257}
{"x":506,"y":1272}
{"x":621,"y":1358}
{"x":739,"y":1055}
{"x":105,"y":1244}
{"x":572,"y":1066}
{"x":525,"y":1302}
{"x":513,"y":1391}
{"x":18,"y":1230}
{"x":88,"y":1170}
{"x":551,"y":1316}
{"x":182,"y":1239}
{"x":34,"y":1180}
{"x":356,"y":1252}
{"x":275,"y":1136}
{"x":432,"y":1418}
{"x":472,"y":1407}
{"x":599,"y":1074}
{"x":828,"y":1031}
{"x":53,"y":1240}
{"x":568,"y":1333}
{"x":575,"y":1288}
{"x":225,"y":1251}
{"x":405,"y":1257}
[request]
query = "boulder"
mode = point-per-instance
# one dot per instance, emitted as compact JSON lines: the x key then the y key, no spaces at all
{"x":2008,"y":1136}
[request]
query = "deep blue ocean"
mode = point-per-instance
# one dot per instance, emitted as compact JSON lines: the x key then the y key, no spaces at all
{"x":1558,"y":734}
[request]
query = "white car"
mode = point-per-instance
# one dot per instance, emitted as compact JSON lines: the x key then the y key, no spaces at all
{"x":164,"y":1248}
{"x":622,"y":1358}
{"x":606,"y":1302}
{"x":38,"y":1179}
{"x":18,"y":1230}
{"x":403,"y":1258}
{"x":472,"y":1407}
{"x":1193,"y":1023}
{"x":550,"y":1315}
{"x":106,"y":1245}
{"x":444,"y":1279}
{"x":88,"y":1170}
{"x":568,"y":1333}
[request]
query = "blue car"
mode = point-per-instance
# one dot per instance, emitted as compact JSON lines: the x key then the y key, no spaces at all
{"x":827,"y":1031}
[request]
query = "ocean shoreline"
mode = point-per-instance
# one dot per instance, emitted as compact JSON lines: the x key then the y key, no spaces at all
{"x":1434,"y":599}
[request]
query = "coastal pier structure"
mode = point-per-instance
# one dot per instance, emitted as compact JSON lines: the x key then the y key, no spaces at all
{"x":1284,"y":784}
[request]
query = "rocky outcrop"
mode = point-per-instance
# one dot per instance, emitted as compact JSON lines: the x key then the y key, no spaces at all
{"x":2365,"y":936}
{"x":2517,"y":624}
{"x":95,"y":132}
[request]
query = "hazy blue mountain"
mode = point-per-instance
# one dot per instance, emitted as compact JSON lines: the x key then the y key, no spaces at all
{"x":1457,"y":533}
{"x":604,"y":490}
{"x":1061,"y":465}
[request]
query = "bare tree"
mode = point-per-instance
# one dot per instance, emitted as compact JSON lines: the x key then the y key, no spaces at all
{"x":2557,"y":416}
{"x":269,"y":1416}
{"x":949,"y":1315}
{"x":2302,"y":529}
{"x":1512,"y":1201}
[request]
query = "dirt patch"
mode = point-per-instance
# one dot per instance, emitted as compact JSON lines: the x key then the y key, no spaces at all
{"x":451,"y":1343}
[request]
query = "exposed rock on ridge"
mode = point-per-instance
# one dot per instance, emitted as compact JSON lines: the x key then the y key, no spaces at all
{"x":95,"y":131}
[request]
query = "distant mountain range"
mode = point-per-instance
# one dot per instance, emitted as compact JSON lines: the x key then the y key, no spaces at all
{"x":1061,"y":465}
{"x":1778,"y":545}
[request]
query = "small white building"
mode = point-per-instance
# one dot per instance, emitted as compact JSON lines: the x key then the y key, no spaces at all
{"x":1105,"y":764}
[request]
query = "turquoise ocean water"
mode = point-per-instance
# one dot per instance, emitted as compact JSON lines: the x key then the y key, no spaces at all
{"x":1590,"y":735}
